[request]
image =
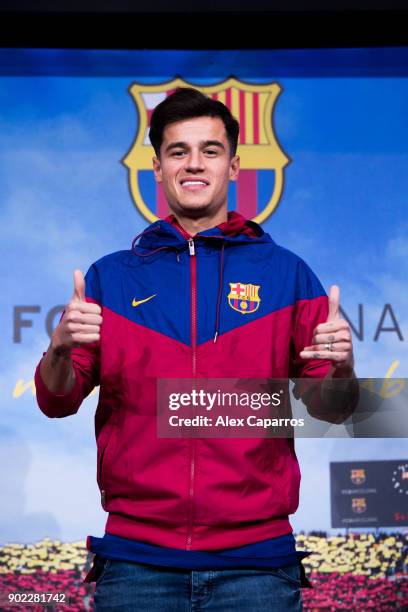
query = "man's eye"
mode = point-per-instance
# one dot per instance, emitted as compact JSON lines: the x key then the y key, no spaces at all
{"x":177,"y":153}
{"x":211,"y":152}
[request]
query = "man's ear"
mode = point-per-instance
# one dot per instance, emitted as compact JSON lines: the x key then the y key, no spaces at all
{"x":234,"y":168}
{"x":157,"y":169}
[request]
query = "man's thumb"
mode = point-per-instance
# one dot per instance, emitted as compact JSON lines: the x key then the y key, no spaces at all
{"x":334,"y":303}
{"x":79,"y":286}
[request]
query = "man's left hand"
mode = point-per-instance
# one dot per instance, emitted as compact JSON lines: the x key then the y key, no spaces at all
{"x":332,"y":340}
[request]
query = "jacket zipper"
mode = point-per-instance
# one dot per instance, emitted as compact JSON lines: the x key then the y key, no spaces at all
{"x":193,"y":284}
{"x":193,"y":278}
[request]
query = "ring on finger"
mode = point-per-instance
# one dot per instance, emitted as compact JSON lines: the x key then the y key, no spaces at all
{"x":329,"y":346}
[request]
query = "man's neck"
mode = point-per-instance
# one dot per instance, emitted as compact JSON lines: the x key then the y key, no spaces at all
{"x":194,"y":226}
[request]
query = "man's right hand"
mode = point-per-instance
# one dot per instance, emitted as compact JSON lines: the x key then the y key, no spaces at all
{"x":81,"y":323}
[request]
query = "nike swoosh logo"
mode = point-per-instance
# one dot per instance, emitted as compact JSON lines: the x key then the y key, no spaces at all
{"x":137,"y":302}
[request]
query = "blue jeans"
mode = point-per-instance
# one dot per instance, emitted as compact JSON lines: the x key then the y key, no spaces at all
{"x":122,"y":586}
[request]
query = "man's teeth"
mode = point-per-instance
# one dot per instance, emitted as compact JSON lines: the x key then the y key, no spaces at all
{"x":194,"y":183}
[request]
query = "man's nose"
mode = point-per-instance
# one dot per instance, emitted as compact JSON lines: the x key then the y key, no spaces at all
{"x":195,"y":161}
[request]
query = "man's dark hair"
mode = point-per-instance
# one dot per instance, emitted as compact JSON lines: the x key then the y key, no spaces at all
{"x":187,"y":103}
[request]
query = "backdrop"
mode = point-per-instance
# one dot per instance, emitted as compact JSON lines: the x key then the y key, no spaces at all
{"x":324,"y":146}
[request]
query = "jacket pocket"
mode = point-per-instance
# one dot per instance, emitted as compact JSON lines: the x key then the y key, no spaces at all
{"x":105,"y":447}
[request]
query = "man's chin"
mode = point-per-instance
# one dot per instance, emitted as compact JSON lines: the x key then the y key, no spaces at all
{"x":192,"y":210}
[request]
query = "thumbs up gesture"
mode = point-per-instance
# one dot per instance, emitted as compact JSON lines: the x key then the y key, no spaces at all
{"x":81,"y":323}
{"x":332,"y":339}
{"x":79,"y":286}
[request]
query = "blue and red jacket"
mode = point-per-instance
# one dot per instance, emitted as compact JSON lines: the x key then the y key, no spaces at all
{"x":167,"y":314}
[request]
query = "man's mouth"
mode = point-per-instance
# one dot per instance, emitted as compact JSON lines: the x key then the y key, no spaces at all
{"x":193,"y":185}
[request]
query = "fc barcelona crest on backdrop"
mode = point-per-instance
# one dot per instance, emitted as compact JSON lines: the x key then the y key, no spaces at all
{"x":244,"y":298}
{"x":357,"y":476}
{"x":358,"y":505}
{"x":259,"y":188}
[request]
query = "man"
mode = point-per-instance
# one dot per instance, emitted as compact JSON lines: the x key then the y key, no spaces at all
{"x":192,"y":521}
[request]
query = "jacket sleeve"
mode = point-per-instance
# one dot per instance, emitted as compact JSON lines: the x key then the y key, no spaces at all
{"x":86,"y":364}
{"x":311,"y":308}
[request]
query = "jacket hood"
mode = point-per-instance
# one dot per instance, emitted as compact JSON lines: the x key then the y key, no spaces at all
{"x":169,"y":234}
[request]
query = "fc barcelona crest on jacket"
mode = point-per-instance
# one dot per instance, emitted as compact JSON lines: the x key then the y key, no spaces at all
{"x":259,"y":187}
{"x":244,"y":298}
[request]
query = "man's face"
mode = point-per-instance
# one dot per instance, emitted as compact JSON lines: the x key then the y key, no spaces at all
{"x":195,"y":166}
